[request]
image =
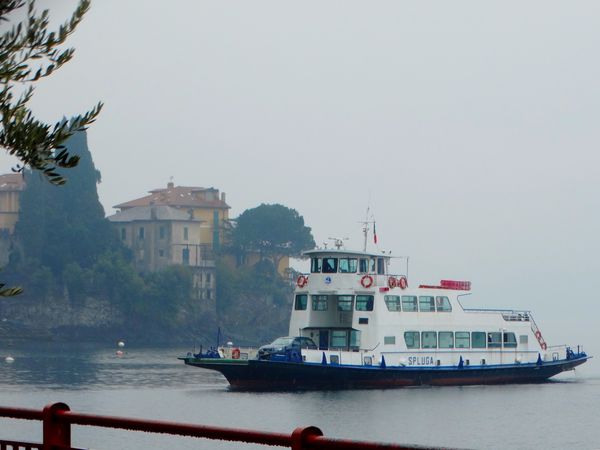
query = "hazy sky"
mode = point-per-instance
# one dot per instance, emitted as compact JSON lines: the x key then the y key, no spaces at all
{"x":470,"y":128}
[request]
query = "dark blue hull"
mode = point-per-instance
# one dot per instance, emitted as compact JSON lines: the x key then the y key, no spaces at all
{"x":283,"y":375}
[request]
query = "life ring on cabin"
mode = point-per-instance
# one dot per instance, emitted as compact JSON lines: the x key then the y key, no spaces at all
{"x":235,"y":353}
{"x":392,"y":282}
{"x":366,"y":281}
{"x":302,"y":281}
{"x":402,"y":282}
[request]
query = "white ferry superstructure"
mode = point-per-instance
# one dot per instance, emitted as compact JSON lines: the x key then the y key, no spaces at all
{"x":374,"y":329}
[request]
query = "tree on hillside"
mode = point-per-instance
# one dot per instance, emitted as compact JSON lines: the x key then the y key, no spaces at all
{"x":28,"y":53}
{"x":273,"y":231}
{"x":66,"y":224}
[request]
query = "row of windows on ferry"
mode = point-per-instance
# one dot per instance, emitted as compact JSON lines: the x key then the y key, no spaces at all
{"x":396,"y":303}
{"x":458,"y":339}
{"x":347,"y":265}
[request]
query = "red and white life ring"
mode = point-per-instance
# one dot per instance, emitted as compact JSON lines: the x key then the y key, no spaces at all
{"x":235,"y":353}
{"x":392,"y":282}
{"x":302,"y":281}
{"x":402,"y":282}
{"x":366,"y":281}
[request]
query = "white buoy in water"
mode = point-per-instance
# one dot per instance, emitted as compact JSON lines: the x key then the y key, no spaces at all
{"x":120,"y":344}
{"x":9,"y":359}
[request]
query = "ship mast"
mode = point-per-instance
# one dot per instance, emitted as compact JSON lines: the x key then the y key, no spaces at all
{"x":365,"y":230}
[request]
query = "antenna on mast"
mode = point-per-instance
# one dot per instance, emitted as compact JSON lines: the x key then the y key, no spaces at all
{"x":365,"y":229}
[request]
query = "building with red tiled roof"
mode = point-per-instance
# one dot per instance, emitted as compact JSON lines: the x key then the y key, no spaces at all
{"x":203,"y":204}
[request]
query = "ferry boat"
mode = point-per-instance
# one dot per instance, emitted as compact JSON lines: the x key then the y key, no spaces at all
{"x":373,"y":329}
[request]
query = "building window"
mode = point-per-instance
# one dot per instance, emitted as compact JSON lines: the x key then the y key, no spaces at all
{"x":208,"y":294}
{"x":509,"y":340}
{"x":301,"y":302}
{"x":141,"y":233}
{"x":185,"y":233}
{"x":412,"y":339}
{"x":446,"y":339}
{"x":426,"y":303}
{"x":494,"y":339}
{"x":123,"y":234}
{"x":429,"y":339}
{"x":392,"y":302}
{"x":462,"y":339}
{"x":442,"y":304}
{"x":185,"y":256}
{"x":344,"y":302}
{"x":208,"y":278}
{"x":161,"y":253}
{"x":319,"y":303}
{"x":389,"y":340}
{"x":364,"y":303}
{"x":161,"y":233}
{"x":409,"y":303}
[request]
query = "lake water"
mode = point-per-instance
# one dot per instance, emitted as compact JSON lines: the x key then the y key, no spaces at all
{"x":152,"y":383}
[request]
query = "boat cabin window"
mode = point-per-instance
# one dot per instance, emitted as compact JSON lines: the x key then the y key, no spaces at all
{"x":442,"y":304}
{"x":329,"y":265}
{"x":301,"y":302}
{"x":392,"y":302}
{"x":509,"y":340}
{"x":366,"y":265}
{"x":478,"y":339}
{"x":315,"y":265}
{"x":380,"y":266}
{"x":462,"y":339}
{"x":348,"y":265}
{"x":363,"y":265}
{"x":354,"y":339}
{"x":426,"y":303}
{"x":319,"y":303}
{"x":339,"y":339}
{"x":446,"y":339}
{"x":409,"y":303}
{"x":494,"y":339}
{"x":364,"y":303}
{"x":412,"y":339}
{"x":429,"y":339}
{"x":389,"y":340}
{"x":344,"y":302}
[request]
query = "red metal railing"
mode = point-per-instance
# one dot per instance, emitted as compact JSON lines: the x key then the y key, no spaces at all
{"x":57,"y":419}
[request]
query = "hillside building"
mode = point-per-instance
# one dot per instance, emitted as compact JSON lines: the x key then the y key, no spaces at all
{"x":175,"y":225}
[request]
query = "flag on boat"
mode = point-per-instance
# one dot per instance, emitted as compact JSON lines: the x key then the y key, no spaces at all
{"x":374,"y":234}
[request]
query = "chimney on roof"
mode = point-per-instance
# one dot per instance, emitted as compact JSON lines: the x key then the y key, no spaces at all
{"x":223,"y":197}
{"x":170,"y":185}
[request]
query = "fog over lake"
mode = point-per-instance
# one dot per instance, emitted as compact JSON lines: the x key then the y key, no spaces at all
{"x":470,"y":129}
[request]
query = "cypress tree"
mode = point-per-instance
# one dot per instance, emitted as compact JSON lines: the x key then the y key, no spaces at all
{"x":65,"y":224}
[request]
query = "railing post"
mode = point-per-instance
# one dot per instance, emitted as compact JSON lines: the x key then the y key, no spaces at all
{"x":301,"y":436}
{"x":57,"y":435}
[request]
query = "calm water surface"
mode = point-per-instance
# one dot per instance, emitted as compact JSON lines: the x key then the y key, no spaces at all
{"x":152,"y":383}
